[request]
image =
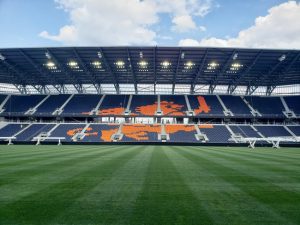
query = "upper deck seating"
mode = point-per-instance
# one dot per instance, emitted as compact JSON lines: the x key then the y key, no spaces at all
{"x":145,"y":105}
{"x":140,"y":132}
{"x":33,"y":131}
{"x":114,"y":105}
{"x":244,"y":130}
{"x":206,"y":105}
{"x":295,"y":130}
{"x":81,"y":104}
{"x":273,"y":131}
{"x":236,"y":105}
{"x":67,"y":131}
{"x":22,"y":103}
{"x":181,"y":133}
{"x":100,"y":132}
{"x":2,"y":98}
{"x":293,"y":103}
{"x":51,"y":104}
{"x":267,"y":106}
{"x":216,"y":133}
{"x":11,"y":129}
{"x":173,"y":105}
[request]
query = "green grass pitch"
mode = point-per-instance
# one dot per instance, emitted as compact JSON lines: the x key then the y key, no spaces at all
{"x":156,"y":185}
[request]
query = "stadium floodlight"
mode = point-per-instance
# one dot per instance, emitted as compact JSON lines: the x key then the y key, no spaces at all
{"x":143,"y":64}
{"x":73,"y":64}
{"x":165,"y":64}
{"x":2,"y":58}
{"x":97,"y":64}
{"x":99,"y":55}
{"x":120,"y":64}
{"x":141,"y":54}
{"x":189,"y":65}
{"x":51,"y":65}
{"x":236,"y":66}
{"x":212,"y":66}
{"x":282,"y":58}
{"x":235,"y":56}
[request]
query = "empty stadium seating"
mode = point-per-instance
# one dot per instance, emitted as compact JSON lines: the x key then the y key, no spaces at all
{"x":33,"y":130}
{"x":81,"y":104}
{"x":67,"y":131}
{"x":293,"y":103}
{"x":273,"y":131}
{"x":21,"y":104}
{"x":140,"y":133}
{"x":114,"y":105}
{"x":216,"y":133}
{"x":236,"y":105}
{"x":51,"y":104}
{"x":10,"y":130}
{"x":267,"y":106}
{"x":244,"y":131}
{"x":145,"y":105}
{"x":173,"y":105}
{"x":99,"y":133}
{"x":206,"y":106}
{"x":181,"y":133}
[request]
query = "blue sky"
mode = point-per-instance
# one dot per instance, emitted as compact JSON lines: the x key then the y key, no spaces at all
{"x":150,"y":22}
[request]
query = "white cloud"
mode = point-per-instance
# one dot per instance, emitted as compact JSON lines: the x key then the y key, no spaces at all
{"x":123,"y":22}
{"x":279,"y":29}
{"x":183,"y":23}
{"x":202,"y":28}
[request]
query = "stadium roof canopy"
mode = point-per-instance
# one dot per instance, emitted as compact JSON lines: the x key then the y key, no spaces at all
{"x":139,"y":68}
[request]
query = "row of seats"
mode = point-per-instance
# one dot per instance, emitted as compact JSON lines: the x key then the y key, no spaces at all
{"x":178,"y":133}
{"x":147,"y":105}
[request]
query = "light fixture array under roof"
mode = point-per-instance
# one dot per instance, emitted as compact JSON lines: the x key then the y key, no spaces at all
{"x":165,"y":64}
{"x":189,"y":65}
{"x":73,"y":65}
{"x":51,"y":65}
{"x":234,"y":68}
{"x":120,"y":64}
{"x":97,"y":64}
{"x":143,"y":64}
{"x":212,"y":66}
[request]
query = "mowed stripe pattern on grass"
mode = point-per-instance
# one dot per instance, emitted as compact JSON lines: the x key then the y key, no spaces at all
{"x":148,"y":185}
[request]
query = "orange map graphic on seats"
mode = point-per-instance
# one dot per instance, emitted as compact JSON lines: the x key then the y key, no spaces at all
{"x":171,"y":129}
{"x":170,"y":108}
{"x":112,"y":111}
{"x":140,"y":132}
{"x":147,"y":110}
{"x":203,"y":107}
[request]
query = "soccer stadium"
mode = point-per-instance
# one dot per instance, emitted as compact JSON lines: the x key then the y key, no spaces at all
{"x":149,"y":135}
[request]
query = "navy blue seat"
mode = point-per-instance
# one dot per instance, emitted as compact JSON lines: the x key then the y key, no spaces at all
{"x":293,"y":103}
{"x":185,"y":133}
{"x":211,"y":101}
{"x":81,"y":104}
{"x":11,"y":129}
{"x":273,"y":131}
{"x":33,"y":131}
{"x":217,"y":134}
{"x":67,"y":131}
{"x":236,"y":105}
{"x":114,"y":104}
{"x":51,"y":104}
{"x":22,"y":103}
{"x":244,"y":130}
{"x":295,"y":130}
{"x":267,"y":106}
